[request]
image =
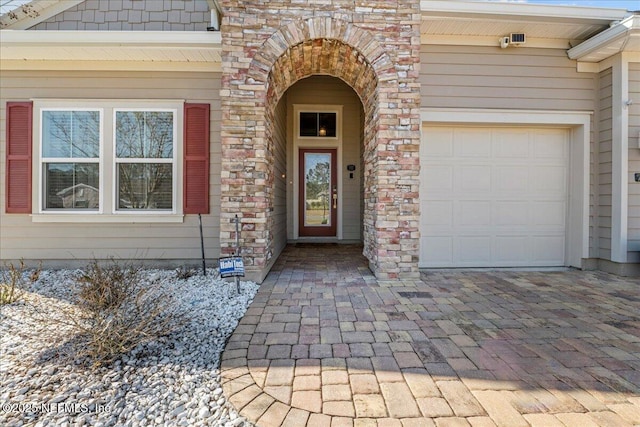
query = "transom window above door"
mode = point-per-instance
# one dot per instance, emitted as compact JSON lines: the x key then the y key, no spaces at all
{"x":318,"y":124}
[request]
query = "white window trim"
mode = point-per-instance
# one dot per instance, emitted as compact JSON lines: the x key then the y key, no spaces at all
{"x":300,"y":108}
{"x":42,"y":160}
{"x":173,"y":160}
{"x":107,"y":212}
{"x":579,"y":123}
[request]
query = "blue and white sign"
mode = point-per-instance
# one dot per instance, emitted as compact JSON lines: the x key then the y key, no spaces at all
{"x":231,"y":267}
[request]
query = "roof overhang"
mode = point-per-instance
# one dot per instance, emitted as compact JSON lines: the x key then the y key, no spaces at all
{"x":34,"y":12}
{"x":622,"y":37}
{"x":483,"y":23}
{"x":107,"y":50}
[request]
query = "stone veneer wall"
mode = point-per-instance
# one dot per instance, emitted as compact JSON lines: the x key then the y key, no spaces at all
{"x":374,"y":47}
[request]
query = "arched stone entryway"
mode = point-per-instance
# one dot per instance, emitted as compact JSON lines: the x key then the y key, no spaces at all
{"x":254,"y":80}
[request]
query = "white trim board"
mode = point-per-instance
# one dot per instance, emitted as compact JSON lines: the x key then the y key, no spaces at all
{"x":579,"y":122}
{"x":523,"y":11}
{"x":320,"y":142}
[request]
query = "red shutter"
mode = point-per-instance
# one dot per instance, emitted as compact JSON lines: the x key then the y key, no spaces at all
{"x":18,"y":179}
{"x":196,"y":158}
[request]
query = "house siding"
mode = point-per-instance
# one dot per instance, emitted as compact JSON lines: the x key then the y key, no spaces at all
{"x":634,"y":162}
{"x":490,"y":77}
{"x":331,"y":91}
{"x":136,"y":15}
{"x":604,"y":138}
{"x":515,"y":78}
{"x":21,"y":238}
{"x":280,"y":182}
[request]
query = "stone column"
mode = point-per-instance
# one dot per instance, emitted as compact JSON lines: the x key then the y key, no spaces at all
{"x":377,"y":46}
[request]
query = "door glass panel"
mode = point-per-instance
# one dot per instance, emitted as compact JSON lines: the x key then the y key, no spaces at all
{"x":317,"y":189}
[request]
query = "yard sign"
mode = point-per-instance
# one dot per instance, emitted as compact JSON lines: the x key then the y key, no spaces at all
{"x":231,"y":267}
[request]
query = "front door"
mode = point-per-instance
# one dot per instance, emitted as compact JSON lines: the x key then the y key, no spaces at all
{"x":318,"y":201}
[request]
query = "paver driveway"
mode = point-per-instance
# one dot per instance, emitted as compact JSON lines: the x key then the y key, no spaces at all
{"x":326,"y":344}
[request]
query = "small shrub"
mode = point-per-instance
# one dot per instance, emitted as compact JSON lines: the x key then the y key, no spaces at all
{"x":183,"y":273}
{"x":12,"y":282}
{"x":105,"y":287}
{"x":35,"y":274}
{"x":120,"y":310}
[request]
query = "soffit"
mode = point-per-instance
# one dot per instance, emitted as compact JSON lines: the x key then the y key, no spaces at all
{"x":34,"y":12}
{"x":447,"y":22}
{"x":623,"y":37}
{"x":441,"y":26}
{"x":19,"y":49}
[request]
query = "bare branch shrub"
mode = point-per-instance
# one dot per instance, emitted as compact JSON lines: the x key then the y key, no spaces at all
{"x":106,"y":286}
{"x":183,"y":273}
{"x":120,"y":310}
{"x":13,"y":282}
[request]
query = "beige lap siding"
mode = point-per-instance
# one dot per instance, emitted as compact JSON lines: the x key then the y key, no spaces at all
{"x":71,"y":242}
{"x":526,"y":79}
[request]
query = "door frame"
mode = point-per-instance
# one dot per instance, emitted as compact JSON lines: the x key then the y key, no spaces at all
{"x":320,"y":143}
{"x":333,"y":212}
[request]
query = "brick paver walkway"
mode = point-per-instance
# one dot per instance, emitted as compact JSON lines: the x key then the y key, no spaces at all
{"x":325,"y":344}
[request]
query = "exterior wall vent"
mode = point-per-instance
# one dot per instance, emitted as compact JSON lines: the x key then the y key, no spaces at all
{"x":517,"y":38}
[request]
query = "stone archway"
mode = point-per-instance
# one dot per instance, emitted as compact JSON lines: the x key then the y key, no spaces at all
{"x":339,"y":48}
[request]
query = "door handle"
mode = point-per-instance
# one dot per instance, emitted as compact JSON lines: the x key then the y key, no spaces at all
{"x":335,"y":200}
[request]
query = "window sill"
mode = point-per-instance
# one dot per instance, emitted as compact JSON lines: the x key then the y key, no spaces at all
{"x":102,"y":218}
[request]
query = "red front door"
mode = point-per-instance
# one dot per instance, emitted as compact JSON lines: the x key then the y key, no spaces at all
{"x":318,"y":200}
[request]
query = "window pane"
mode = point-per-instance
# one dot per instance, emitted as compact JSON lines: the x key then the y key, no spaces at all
{"x":71,"y":134}
{"x":72,"y":186}
{"x":144,"y":134}
{"x":317,"y":189}
{"x":145,"y":186}
{"x":327,"y":124}
{"x":308,"y":124}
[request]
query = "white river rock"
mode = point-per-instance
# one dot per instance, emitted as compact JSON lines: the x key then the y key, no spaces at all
{"x":174,"y":380}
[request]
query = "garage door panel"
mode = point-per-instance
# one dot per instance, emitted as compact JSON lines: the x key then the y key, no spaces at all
{"x":438,"y":213}
{"x":493,"y":197}
{"x":549,"y":179}
{"x":474,"y":178}
{"x":472,"y":143}
{"x":438,"y":249}
{"x":512,"y":250}
{"x":512,"y":144}
{"x":473,"y":213}
{"x":437,"y":179}
{"x":472,"y":249}
{"x":439,"y":142}
{"x":550,"y":145}
{"x":511,"y":213}
{"x":551,"y":213}
{"x":511,"y":178}
{"x":548,"y":250}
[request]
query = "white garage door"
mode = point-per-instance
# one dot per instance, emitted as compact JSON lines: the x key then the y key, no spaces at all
{"x":493,"y":197}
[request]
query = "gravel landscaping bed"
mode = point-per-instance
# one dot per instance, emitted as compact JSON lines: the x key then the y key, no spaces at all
{"x":174,"y":380}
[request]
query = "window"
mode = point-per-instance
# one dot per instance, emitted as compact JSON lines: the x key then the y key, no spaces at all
{"x":318,"y":124}
{"x":110,"y":158}
{"x":80,"y":174}
{"x":144,"y":159}
{"x":71,"y":159}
